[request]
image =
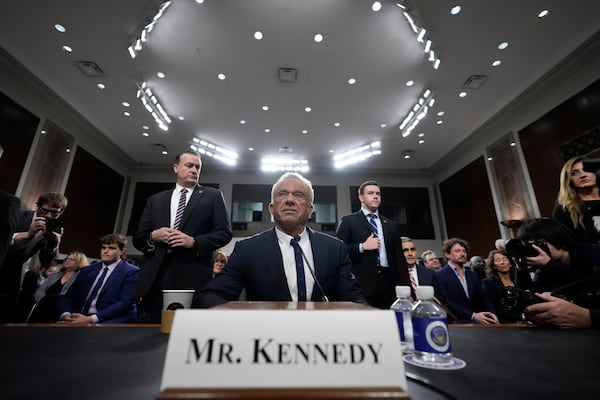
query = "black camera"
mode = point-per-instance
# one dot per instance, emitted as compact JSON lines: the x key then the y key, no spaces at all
{"x":519,"y":249}
{"x":54,"y":225}
{"x":515,"y":299}
{"x":592,"y":165}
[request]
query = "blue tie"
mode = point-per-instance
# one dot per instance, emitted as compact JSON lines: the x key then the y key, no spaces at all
{"x":372,"y":218}
{"x":94,"y":292}
{"x":299,"y":270}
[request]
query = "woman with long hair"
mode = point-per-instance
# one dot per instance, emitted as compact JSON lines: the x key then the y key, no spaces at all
{"x":501,"y":272}
{"x":578,"y":203}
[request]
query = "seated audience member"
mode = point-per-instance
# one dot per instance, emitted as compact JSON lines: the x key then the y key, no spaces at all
{"x":478,"y":265}
{"x":102,"y":292}
{"x":46,"y":296}
{"x":219,"y":263}
{"x":578,"y":203}
{"x":461,"y":288}
{"x":502,"y":273}
{"x":418,"y":274}
{"x":278,"y":264}
{"x":431,"y":260}
{"x":556,"y":262}
{"x":31,"y":282}
{"x":562,"y":313}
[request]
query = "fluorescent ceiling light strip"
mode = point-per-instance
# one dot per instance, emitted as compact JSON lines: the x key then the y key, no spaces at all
{"x":421,"y":37}
{"x":214,"y":151}
{"x":153,"y":106}
{"x":417,"y":113}
{"x":135,"y":48}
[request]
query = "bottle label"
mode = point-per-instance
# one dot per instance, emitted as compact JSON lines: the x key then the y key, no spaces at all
{"x":400,"y":321}
{"x":431,"y":335}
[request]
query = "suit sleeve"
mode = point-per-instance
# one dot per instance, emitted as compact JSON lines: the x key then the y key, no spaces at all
{"x":145,"y":228}
{"x":221,"y":233}
{"x":344,"y":232}
{"x":348,"y":288}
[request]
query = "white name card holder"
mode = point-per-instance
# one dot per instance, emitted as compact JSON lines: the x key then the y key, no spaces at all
{"x":279,"y":351}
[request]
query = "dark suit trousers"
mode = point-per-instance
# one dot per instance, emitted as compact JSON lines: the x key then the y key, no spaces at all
{"x":382,"y":297}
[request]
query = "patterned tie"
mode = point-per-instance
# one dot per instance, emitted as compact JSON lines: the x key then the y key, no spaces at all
{"x":94,"y":292}
{"x":180,"y":209}
{"x":372,"y":218}
{"x":299,"y":270}
{"x":413,"y":281}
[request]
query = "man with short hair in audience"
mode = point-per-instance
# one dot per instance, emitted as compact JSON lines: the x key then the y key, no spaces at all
{"x":461,"y":288}
{"x":103,"y":291}
{"x":431,"y":260}
{"x":418,"y":274}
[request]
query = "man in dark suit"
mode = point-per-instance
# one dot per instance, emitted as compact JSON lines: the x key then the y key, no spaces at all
{"x":36,"y":235}
{"x":289,"y":262}
{"x":418,"y":274}
{"x":373,"y":242}
{"x":103,"y":291}
{"x":461,"y":288}
{"x":178,"y":233}
{"x":9,"y":207}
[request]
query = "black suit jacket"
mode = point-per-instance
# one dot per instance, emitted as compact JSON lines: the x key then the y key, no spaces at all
{"x":205,"y":218}
{"x":355,"y":229}
{"x":256,"y":264}
{"x":427,"y":278}
{"x":9,"y":208}
{"x":454,"y":295}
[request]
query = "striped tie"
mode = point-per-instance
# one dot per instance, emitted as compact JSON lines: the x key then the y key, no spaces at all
{"x":372,"y":218}
{"x":180,"y":209}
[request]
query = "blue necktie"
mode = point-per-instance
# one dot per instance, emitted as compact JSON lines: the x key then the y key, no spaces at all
{"x":300,"y":279}
{"x":372,"y":218}
{"x":94,"y":292}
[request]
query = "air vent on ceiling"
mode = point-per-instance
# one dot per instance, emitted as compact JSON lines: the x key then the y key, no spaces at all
{"x":475,"y":81}
{"x":89,"y":68}
{"x":285,"y":149}
{"x":287,"y":74}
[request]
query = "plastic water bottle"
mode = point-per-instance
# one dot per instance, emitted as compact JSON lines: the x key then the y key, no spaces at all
{"x":403,"y":307}
{"x":430,"y":328}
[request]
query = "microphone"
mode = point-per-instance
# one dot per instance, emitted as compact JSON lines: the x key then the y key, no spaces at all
{"x":312,"y":272}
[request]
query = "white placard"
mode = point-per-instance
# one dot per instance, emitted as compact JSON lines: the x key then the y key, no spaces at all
{"x":284,"y":349}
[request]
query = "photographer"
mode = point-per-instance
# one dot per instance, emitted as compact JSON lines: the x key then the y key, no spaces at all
{"x":37,"y":233}
{"x":564,"y":314}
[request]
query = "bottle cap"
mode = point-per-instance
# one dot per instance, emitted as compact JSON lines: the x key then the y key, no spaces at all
{"x":424,"y":292}
{"x":402,"y":291}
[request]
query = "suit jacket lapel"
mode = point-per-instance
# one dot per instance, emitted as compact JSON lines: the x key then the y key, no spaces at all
{"x":272,"y":254}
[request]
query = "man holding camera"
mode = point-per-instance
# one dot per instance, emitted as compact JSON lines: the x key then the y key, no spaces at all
{"x":37,"y":232}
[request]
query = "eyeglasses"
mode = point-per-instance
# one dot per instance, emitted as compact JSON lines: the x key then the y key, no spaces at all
{"x":54,"y":213}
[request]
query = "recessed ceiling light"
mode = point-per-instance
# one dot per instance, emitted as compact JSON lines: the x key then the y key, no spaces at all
{"x":410,"y":83}
{"x":68,"y":49}
{"x":307,"y":109}
{"x":127,"y":114}
{"x":60,"y":28}
{"x":243,"y":121}
{"x":199,"y":1}
{"x":318,"y":38}
{"x":337,"y":124}
{"x":43,"y":132}
{"x":440,"y":122}
{"x":161,"y":75}
{"x":265,"y":108}
{"x":258,"y":35}
{"x":221,"y":77}
{"x":489,"y":158}
{"x":331,"y":150}
{"x":267,"y":130}
{"x":68,"y":150}
{"x":351,"y":81}
{"x":101,"y":86}
{"x":503,"y":45}
{"x":440,"y":113}
{"x":496,"y":63}
{"x":512,"y":144}
{"x":145,"y":134}
{"x":462,"y":94}
{"x":383,"y":125}
{"x":421,"y":134}
{"x":421,"y":141}
{"x":164,"y":152}
{"x":543,"y":13}
{"x":181,"y":118}
{"x":376,"y":6}
{"x":145,"y":127}
{"x":304,"y":131}
{"x":455,"y":10}
{"x":250,"y":148}
{"x":125,"y":104}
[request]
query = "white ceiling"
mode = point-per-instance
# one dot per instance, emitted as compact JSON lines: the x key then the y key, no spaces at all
{"x":194,"y":42}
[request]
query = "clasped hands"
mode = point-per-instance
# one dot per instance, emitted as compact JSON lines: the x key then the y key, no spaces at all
{"x":76,"y":319}
{"x":172,"y":237}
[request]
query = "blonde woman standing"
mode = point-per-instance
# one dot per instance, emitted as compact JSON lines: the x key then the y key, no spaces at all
{"x":578,"y":203}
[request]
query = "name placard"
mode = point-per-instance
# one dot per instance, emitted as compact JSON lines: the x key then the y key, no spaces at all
{"x":283,"y":349}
